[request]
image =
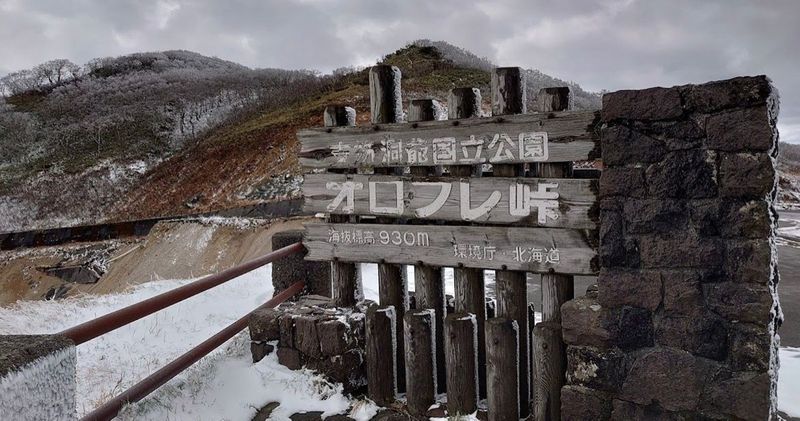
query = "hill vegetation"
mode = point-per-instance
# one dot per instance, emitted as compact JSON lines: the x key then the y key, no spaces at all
{"x":175,"y":132}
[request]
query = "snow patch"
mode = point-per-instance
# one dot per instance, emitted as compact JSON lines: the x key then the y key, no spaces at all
{"x":42,"y":390}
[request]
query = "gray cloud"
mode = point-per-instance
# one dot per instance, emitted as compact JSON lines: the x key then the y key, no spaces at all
{"x":601,"y":44}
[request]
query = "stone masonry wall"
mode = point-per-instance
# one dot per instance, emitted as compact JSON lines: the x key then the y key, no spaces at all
{"x":311,"y":333}
{"x":683,"y":322}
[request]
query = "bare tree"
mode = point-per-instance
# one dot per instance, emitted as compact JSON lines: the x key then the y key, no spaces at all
{"x":58,"y":70}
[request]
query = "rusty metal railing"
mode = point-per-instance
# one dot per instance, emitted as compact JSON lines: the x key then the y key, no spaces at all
{"x":116,"y":319}
{"x":152,"y":382}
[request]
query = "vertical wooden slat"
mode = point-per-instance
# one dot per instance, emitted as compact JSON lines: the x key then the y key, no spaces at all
{"x":469,"y":283}
{"x":554,"y":99}
{"x":419,"y":333}
{"x":469,"y":298}
{"x":385,"y":99}
{"x":380,"y":354}
{"x":550,"y":354}
{"x":464,"y":103}
{"x":461,"y":341}
{"x":422,"y":110}
{"x":346,"y":288}
{"x":550,"y":364}
{"x":386,"y":107}
{"x":429,"y":285}
{"x":512,"y":303}
{"x":502,"y":375}
{"x":508,"y":97}
{"x":508,"y":91}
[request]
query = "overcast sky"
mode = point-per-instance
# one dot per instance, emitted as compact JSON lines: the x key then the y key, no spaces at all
{"x":599,"y":44}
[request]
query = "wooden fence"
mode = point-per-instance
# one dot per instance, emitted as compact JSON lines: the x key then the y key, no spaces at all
{"x":471,"y":193}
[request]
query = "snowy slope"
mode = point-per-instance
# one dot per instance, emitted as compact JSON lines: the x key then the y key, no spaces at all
{"x":226,"y":384}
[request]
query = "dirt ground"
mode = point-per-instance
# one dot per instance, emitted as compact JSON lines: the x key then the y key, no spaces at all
{"x":172,"y":250}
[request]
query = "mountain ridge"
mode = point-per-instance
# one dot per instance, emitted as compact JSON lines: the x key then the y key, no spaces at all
{"x":175,"y":132}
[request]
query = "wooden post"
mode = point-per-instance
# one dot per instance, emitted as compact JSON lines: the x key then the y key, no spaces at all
{"x":469,"y":284}
{"x":428,"y":279}
{"x":554,"y":99}
{"x":339,"y":116}
{"x":469,"y":298}
{"x":512,"y":303}
{"x":464,"y":103}
{"x":508,"y":91}
{"x":386,"y":104}
{"x":508,"y":97}
{"x":345,"y":277}
{"x":380,"y":353}
{"x":556,"y":290}
{"x":502,"y":369}
{"x":419,"y":333}
{"x":550,"y":364}
{"x":461,"y":341}
{"x":423,"y":110}
{"x":386,"y":107}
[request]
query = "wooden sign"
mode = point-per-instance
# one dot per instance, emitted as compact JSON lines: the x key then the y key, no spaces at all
{"x":551,"y":137}
{"x":560,"y":203}
{"x":524,"y":249}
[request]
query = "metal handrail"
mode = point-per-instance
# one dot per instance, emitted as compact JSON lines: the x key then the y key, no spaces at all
{"x":100,"y":326}
{"x":137,"y":392}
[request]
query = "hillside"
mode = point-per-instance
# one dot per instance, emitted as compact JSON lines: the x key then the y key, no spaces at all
{"x":175,"y":132}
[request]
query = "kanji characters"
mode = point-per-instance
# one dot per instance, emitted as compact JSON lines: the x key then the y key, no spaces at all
{"x":536,"y":255}
{"x":444,"y":150}
{"x":521,"y":199}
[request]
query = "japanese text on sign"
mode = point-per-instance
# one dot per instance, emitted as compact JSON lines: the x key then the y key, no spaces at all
{"x":500,"y":147}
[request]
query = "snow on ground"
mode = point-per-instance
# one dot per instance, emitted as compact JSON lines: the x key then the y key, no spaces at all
{"x":225,"y":384}
{"x":789,"y":381}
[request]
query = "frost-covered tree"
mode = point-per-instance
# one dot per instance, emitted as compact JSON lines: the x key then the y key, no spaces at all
{"x":57,"y":71}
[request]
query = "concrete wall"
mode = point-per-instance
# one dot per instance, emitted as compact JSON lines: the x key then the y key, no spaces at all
{"x":37,"y":378}
{"x":683,"y":324}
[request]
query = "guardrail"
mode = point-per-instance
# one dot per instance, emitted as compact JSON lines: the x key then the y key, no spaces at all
{"x":97,"y":327}
{"x":114,"y":320}
{"x":152,"y":382}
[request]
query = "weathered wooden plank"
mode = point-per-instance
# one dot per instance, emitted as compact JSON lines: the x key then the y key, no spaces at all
{"x":557,"y":288}
{"x":419,"y":330}
{"x":550,"y":364}
{"x":554,"y":99}
{"x":512,"y":304}
{"x":380,"y":354}
{"x":464,"y":103}
{"x":386,"y":104}
{"x":346,"y":288}
{"x":429,"y":290}
{"x":461,"y":341}
{"x":527,"y":249}
{"x":552,"y":137}
{"x":508,"y":91}
{"x":440,"y":198}
{"x":470,"y":298}
{"x":502,"y":336}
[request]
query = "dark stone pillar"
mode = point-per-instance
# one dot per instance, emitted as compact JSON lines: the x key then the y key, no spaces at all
{"x":290,"y":269}
{"x":683,"y":325}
